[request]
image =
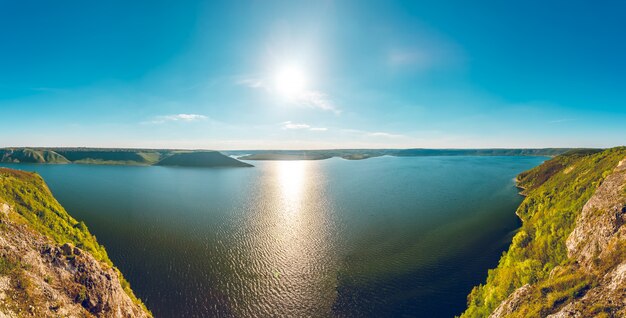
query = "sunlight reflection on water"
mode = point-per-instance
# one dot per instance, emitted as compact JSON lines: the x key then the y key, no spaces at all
{"x":330,"y":238}
{"x":291,"y":244}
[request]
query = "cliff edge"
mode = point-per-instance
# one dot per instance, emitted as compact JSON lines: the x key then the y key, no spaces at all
{"x":569,"y":257}
{"x":50,"y":265}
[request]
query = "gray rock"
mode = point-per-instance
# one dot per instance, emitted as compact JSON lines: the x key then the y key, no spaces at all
{"x":67,"y":249}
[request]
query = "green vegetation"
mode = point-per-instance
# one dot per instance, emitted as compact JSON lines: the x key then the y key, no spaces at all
{"x":303,"y":155}
{"x":359,"y":154}
{"x":480,"y":152}
{"x":7,"y":266}
{"x":22,"y":292}
{"x":111,"y":156}
{"x":31,"y":156}
{"x":143,"y":157}
{"x":201,"y":159}
{"x":30,"y":198}
{"x":556,"y":193}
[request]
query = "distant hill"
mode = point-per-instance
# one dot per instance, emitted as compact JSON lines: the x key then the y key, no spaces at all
{"x":201,"y":159}
{"x":419,"y":152}
{"x":286,"y":156}
{"x":112,"y":156}
{"x":204,"y":158}
{"x":359,"y":154}
{"x":24,"y":155}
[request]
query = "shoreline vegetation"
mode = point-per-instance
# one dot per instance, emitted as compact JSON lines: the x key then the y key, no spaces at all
{"x":54,"y":265}
{"x":569,"y":250}
{"x":113,"y":156}
{"x":360,"y":154}
{"x":211,"y":158}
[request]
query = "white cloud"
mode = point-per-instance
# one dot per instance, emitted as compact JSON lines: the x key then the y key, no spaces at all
{"x":177,"y":117}
{"x":384,"y":134}
{"x":251,"y":82}
{"x":373,"y":134}
{"x":291,"y":125}
{"x":300,"y":126}
{"x":306,"y":98}
{"x":315,"y":99}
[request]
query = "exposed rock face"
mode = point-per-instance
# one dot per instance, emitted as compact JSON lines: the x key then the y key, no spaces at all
{"x":513,"y":302}
{"x":41,"y":279}
{"x":597,"y":246}
{"x":600,"y":221}
{"x":610,"y":295}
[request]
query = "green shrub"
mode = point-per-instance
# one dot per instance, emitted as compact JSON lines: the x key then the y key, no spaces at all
{"x":31,"y":199}
{"x":556,"y":193}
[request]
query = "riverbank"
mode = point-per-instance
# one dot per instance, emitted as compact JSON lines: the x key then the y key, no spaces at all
{"x":50,"y":264}
{"x":567,"y":259}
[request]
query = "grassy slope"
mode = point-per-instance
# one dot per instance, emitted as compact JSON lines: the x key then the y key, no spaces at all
{"x":25,"y":155}
{"x":110,"y":156}
{"x":30,"y":197}
{"x":119,"y":157}
{"x":556,"y":193}
{"x":201,"y":159}
{"x":281,"y":156}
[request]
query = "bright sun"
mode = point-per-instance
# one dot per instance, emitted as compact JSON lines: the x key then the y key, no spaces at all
{"x":290,"y":81}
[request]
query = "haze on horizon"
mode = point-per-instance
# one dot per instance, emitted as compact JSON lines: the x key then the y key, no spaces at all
{"x":312,"y":74}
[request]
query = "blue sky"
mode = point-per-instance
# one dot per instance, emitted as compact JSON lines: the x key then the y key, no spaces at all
{"x":312,"y":74}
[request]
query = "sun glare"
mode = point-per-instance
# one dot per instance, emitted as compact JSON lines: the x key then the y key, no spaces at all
{"x":290,"y":81}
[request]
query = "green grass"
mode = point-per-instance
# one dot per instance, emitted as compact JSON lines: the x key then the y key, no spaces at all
{"x":31,"y":199}
{"x":26,"y":155}
{"x":201,"y":159}
{"x":556,"y":193}
{"x":7,"y":265}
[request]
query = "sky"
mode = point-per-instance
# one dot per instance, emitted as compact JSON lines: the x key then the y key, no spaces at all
{"x":234,"y":75}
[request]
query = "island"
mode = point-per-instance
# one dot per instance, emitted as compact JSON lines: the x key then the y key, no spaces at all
{"x":569,"y":257}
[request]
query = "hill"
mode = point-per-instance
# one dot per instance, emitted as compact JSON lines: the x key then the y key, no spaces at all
{"x":359,"y":154}
{"x":25,"y":155}
{"x":569,"y":257}
{"x":418,"y":152}
{"x":50,"y":264}
{"x":113,"y":156}
{"x":201,"y":159}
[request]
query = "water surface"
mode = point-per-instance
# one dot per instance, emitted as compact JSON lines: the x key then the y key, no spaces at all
{"x":388,"y":236}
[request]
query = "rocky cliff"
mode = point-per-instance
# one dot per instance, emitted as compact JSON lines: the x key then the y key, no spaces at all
{"x":50,"y":265}
{"x":569,"y":257}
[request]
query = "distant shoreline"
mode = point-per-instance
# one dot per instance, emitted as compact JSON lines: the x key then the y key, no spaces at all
{"x":122,"y":157}
{"x":360,"y":154}
{"x":233,"y":158}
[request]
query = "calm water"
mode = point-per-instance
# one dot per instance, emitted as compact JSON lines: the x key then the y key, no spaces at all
{"x":382,"y":237}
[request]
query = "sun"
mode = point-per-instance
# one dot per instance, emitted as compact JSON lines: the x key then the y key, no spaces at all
{"x":290,"y":81}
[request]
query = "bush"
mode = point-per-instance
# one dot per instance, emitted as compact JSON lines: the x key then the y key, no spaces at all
{"x":556,"y":193}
